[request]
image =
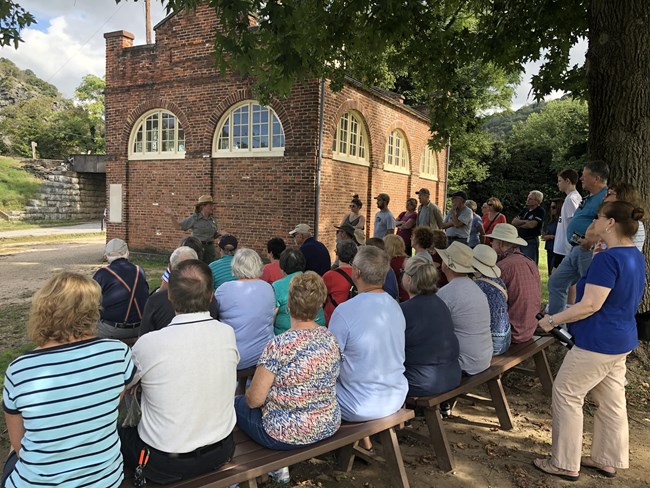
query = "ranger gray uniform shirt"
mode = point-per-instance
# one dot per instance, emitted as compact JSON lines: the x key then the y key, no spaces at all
{"x":202,"y":228}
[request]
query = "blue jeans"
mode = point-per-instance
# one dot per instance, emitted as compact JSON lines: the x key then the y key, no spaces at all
{"x":250,"y":421}
{"x":501,"y":343}
{"x":531,"y":250}
{"x":571,"y":269}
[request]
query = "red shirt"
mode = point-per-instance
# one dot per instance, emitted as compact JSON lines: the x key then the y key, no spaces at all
{"x":338,"y":287}
{"x":397,"y":263}
{"x":521,"y":277}
{"x":489,"y":225}
{"x":272,"y":272}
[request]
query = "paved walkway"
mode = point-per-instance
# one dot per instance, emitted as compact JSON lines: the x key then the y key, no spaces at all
{"x":85,"y":228}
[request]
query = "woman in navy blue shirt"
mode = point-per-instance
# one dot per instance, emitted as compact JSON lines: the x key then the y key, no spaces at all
{"x":604,"y":331}
{"x":432,"y":351}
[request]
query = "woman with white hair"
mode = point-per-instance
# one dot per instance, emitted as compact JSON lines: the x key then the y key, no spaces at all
{"x":431,"y":345}
{"x":248,"y":306}
{"x":487,"y":279}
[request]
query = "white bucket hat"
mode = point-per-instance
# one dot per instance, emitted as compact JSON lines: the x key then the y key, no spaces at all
{"x":485,"y":261}
{"x":457,"y":257}
{"x":507,"y":233}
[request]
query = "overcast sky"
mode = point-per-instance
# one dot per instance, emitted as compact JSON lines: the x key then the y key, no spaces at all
{"x":67,"y":43}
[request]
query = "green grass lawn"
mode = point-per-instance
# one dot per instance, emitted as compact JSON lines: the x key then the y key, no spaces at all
{"x":35,"y":224}
{"x":16,"y":185}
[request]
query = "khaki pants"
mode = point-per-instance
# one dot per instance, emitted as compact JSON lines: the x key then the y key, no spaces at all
{"x":604,"y":376}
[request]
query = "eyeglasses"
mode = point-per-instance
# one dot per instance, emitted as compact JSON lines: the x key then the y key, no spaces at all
{"x":490,"y":204}
{"x":611,"y":192}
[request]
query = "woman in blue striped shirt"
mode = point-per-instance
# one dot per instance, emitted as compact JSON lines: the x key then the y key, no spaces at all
{"x":61,"y":399}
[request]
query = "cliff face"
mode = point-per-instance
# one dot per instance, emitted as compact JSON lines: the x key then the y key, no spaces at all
{"x":18,"y":85}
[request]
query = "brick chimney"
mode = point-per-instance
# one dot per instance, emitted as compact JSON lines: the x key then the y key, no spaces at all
{"x":115,"y":42}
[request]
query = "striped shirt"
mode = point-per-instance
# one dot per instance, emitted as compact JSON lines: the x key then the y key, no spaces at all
{"x":68,"y":397}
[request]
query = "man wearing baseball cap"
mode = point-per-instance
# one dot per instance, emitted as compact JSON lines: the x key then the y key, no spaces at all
{"x":316,"y":254}
{"x":384,"y":220}
{"x":458,"y":221}
{"x":522,"y":280}
{"x":429,"y":215}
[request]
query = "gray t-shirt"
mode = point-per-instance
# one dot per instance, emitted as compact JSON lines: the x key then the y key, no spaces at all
{"x":384,"y":221}
{"x":465,"y":216}
{"x":470,"y":313}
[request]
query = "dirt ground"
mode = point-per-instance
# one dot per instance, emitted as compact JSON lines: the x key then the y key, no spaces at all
{"x":485,"y":455}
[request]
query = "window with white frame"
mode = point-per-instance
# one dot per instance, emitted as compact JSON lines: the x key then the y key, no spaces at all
{"x":249,"y":130}
{"x":157,"y":135}
{"x":396,"y":157}
{"x":350,"y":142}
{"x":429,"y":166}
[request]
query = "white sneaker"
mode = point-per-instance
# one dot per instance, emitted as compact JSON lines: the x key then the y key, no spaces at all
{"x":281,"y":476}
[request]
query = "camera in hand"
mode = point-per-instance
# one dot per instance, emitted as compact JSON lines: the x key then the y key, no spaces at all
{"x":576,"y":238}
{"x":559,"y":333}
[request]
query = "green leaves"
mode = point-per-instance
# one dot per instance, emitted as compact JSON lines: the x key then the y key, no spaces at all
{"x":13,"y":19}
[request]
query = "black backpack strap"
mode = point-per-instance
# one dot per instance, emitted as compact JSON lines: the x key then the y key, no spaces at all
{"x":346,"y":276}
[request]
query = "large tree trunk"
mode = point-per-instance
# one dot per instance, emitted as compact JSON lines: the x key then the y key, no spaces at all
{"x":618,"y":81}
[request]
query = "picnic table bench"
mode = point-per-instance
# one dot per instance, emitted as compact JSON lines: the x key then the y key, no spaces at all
{"x":252,"y":460}
{"x":510,"y":360}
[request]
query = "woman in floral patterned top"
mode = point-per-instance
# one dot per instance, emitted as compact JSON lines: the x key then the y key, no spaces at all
{"x":291,"y":401}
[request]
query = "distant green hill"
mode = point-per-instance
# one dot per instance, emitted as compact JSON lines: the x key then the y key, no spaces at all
{"x":18,"y":85}
{"x":499,"y":125}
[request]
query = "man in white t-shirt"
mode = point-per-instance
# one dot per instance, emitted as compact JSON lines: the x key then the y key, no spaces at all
{"x":566,"y":183}
{"x":188,"y":375}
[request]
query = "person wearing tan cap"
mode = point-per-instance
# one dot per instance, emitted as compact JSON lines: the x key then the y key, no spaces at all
{"x":202,"y":224}
{"x":521,"y":276}
{"x":470,"y":311}
{"x":316,"y":254}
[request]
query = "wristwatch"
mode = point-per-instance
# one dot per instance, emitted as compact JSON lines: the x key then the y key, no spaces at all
{"x":549,"y":319}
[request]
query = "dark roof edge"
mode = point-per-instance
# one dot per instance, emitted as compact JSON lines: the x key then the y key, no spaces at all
{"x":380,"y":93}
{"x":169,"y":16}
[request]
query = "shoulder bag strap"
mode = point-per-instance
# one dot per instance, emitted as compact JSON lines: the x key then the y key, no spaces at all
{"x":496,"y":285}
{"x":345,"y":275}
{"x":491,"y":224}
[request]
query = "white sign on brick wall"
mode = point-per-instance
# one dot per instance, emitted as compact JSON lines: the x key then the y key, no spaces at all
{"x":115,"y":203}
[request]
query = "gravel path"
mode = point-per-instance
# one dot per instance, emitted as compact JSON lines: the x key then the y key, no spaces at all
{"x":25,"y":267}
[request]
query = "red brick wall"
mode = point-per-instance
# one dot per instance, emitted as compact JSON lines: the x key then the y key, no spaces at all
{"x":256,"y":198}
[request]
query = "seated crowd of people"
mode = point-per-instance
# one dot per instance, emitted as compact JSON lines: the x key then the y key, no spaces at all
{"x":395,"y":315}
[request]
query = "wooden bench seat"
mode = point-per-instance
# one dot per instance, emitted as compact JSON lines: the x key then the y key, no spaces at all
{"x":252,"y":460}
{"x":511,"y":360}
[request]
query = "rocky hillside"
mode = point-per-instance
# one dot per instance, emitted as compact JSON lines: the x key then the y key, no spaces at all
{"x":18,"y":85}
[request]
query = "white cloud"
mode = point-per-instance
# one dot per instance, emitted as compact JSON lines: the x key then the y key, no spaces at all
{"x":524,"y":95}
{"x":68,"y":41}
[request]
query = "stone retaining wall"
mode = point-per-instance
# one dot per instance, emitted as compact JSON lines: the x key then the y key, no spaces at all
{"x":65,"y":194}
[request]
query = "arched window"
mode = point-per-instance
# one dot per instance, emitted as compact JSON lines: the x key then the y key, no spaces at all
{"x":351,"y":142}
{"x":396,"y":157}
{"x":249,"y":130}
{"x":157,"y":135}
{"x":429,"y":165}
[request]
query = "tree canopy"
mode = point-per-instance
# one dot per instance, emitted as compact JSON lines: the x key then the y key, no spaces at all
{"x":13,"y":19}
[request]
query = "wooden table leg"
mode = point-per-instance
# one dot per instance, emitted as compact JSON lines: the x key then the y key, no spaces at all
{"x":394,"y":461}
{"x":500,"y":403}
{"x":544,"y":372}
{"x":345,"y":457}
{"x":438,"y":437}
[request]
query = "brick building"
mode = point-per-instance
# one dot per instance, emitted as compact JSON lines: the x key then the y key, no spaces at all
{"x":176,"y":128}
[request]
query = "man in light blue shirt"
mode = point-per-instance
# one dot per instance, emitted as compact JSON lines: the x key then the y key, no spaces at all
{"x":370,"y":328}
{"x":574,"y":265}
{"x":384,"y":220}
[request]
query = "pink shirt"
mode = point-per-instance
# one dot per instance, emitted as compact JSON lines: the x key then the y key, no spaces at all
{"x":522,"y":280}
{"x":272,"y":272}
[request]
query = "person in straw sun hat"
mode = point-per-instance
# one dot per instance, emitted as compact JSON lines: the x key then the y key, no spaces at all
{"x":521,"y":277}
{"x":469,"y":308}
{"x":487,"y":279}
{"x":202,"y":224}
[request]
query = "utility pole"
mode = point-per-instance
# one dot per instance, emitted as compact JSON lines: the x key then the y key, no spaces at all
{"x":147,"y":10}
